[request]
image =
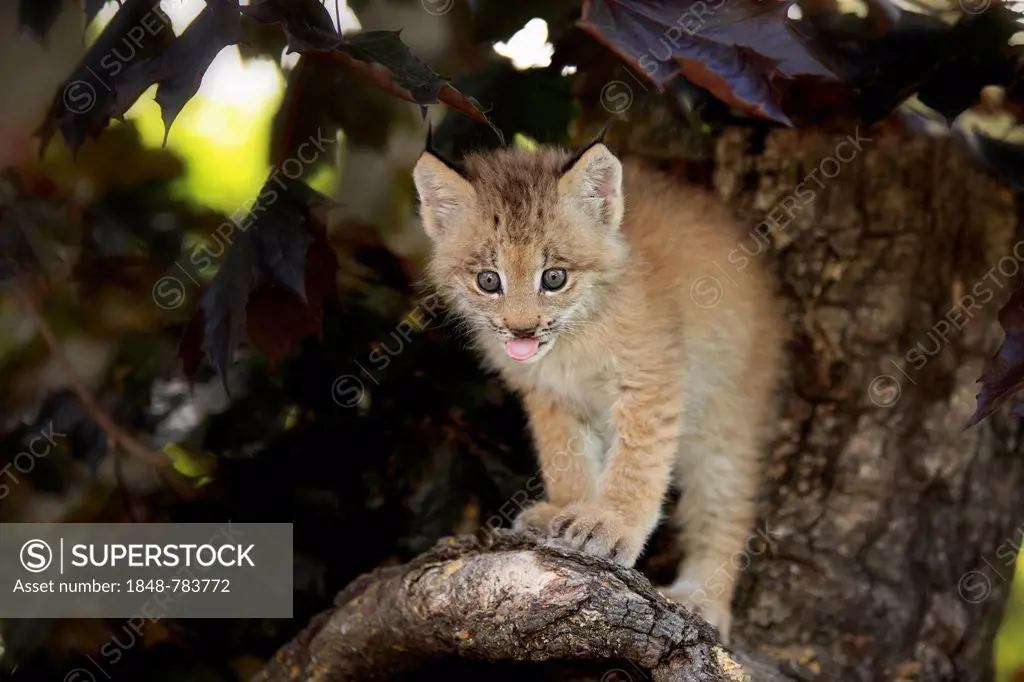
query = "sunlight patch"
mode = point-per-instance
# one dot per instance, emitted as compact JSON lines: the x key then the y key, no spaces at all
{"x":529,"y":47}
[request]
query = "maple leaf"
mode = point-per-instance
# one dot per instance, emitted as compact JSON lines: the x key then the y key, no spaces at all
{"x":270,"y":288}
{"x":94,"y":92}
{"x":387,"y":62}
{"x":180,"y":67}
{"x":379,"y":56}
{"x":307,"y":23}
{"x":138,"y":48}
{"x":1003,"y":376}
{"x":740,"y":50}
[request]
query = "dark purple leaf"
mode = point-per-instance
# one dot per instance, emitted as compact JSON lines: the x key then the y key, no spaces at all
{"x":386,"y":61}
{"x":223,"y":302}
{"x":407,"y":71}
{"x":283,"y":249}
{"x":1003,"y":376}
{"x":307,"y":23}
{"x":738,"y":76}
{"x":179,"y":69}
{"x":742,"y":51}
{"x":93,"y":93}
{"x":1002,"y":379}
{"x":379,"y":56}
{"x":272,"y":250}
{"x":758,"y":25}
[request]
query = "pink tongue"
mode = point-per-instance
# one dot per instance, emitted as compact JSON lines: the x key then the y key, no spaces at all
{"x":521,"y":349}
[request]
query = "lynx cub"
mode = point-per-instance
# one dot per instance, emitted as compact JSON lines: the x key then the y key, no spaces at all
{"x":597,"y":289}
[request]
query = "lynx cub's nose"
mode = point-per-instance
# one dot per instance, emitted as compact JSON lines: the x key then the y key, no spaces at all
{"x":523,"y":332}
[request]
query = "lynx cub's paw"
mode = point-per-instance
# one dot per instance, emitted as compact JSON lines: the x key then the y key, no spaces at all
{"x":692,"y":595}
{"x":537,"y":518}
{"x":596,"y":531}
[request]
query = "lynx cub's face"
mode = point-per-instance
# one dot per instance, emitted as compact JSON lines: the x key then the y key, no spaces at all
{"x":524,"y":242}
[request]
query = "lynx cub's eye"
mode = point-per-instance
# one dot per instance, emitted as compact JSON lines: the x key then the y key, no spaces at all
{"x":553,"y":279}
{"x":489,"y":282}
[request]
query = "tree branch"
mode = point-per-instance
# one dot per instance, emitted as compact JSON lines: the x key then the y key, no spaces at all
{"x":506,"y":600}
{"x":118,"y":437}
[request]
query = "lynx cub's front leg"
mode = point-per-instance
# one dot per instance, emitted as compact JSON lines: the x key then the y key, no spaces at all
{"x":647,"y":421}
{"x":567,"y":456}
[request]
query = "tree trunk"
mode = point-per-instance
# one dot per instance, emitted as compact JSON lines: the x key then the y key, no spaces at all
{"x":891,"y":528}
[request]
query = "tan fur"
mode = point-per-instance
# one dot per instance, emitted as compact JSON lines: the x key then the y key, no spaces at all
{"x":636,"y":380}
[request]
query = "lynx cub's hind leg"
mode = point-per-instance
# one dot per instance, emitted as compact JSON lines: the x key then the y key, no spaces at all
{"x":719,"y":473}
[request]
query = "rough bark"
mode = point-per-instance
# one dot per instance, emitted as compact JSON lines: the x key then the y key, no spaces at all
{"x":891,"y":528}
{"x":890,"y":557}
{"x":507,"y":600}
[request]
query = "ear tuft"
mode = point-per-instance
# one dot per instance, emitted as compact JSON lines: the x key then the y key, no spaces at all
{"x":593,"y":178}
{"x":443,"y":191}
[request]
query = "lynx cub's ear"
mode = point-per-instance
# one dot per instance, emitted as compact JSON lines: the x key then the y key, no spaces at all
{"x":443,"y":192}
{"x":593,"y":179}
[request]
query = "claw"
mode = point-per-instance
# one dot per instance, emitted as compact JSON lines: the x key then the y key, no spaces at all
{"x":598,"y":532}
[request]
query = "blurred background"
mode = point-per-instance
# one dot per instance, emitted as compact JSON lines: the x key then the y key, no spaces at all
{"x":375,"y":434}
